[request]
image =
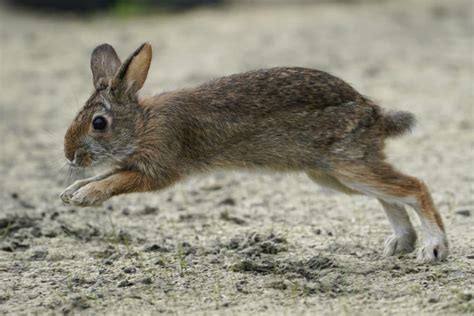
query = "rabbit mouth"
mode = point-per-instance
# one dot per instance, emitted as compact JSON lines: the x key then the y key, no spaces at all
{"x":80,"y":159}
{"x":83,"y":162}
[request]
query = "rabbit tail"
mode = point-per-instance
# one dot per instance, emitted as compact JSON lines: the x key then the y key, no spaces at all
{"x":397,"y":123}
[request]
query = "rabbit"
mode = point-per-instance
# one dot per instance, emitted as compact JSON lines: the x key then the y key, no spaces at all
{"x":281,"y":119}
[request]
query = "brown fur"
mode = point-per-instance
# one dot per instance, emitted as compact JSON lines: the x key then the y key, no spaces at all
{"x":283,"y":119}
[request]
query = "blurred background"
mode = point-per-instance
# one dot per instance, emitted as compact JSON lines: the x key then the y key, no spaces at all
{"x":414,"y":55}
{"x":125,"y":6}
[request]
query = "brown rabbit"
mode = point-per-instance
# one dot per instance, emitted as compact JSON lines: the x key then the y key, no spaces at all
{"x":283,"y":119}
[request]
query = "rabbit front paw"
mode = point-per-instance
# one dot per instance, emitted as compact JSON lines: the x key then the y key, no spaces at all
{"x":401,"y":244}
{"x":91,"y":194}
{"x":67,"y":194}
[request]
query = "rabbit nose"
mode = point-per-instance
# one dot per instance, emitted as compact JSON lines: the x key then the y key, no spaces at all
{"x":71,"y":158}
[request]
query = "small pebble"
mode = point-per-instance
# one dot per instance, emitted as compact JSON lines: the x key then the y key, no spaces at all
{"x":155,"y":248}
{"x":463,"y":212}
{"x":53,"y":216}
{"x":80,"y":302}
{"x":125,"y":283}
{"x":433,"y":300}
{"x":241,"y":286}
{"x":39,"y":254}
{"x":160,"y":263}
{"x":228,"y":201}
{"x":36,"y":232}
{"x":147,"y":281}
{"x":129,"y":270}
{"x":215,"y":187}
{"x":233,"y":219}
{"x":466,"y":296}
{"x":278,"y":285}
{"x":50,"y":233}
{"x":150,"y":210}
{"x":214,"y":259}
{"x":108,"y":262}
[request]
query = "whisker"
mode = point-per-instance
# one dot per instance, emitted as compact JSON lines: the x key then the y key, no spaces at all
{"x":69,"y":176}
{"x":78,"y":106}
{"x":59,"y":169}
{"x":55,"y":163}
{"x":51,"y":135}
{"x":75,"y":173}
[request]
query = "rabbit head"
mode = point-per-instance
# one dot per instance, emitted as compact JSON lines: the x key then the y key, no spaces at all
{"x":104,"y":130}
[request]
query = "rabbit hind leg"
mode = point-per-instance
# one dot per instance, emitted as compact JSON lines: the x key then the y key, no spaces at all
{"x":403,"y":238}
{"x":395,"y":189}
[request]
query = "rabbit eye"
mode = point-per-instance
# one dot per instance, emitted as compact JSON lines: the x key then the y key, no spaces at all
{"x":99,"y":123}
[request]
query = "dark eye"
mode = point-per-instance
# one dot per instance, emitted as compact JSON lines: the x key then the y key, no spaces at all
{"x":99,"y":123}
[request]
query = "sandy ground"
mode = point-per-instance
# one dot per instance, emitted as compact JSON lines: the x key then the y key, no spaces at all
{"x":236,"y":243}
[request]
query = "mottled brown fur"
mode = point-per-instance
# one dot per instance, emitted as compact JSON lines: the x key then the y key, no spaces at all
{"x":282,"y":119}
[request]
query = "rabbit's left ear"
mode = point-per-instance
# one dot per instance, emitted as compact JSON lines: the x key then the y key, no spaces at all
{"x":104,"y":65}
{"x":133,"y":72}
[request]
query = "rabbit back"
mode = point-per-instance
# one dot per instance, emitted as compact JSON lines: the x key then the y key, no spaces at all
{"x":282,"y":118}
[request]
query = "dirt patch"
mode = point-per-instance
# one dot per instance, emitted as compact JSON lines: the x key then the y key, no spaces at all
{"x":255,"y":244}
{"x":308,"y":268}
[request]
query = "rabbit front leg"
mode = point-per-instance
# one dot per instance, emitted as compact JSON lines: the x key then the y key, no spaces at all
{"x":67,"y":194}
{"x":95,"y":193}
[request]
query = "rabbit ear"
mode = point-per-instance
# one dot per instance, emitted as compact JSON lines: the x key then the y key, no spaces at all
{"x":133,"y":72}
{"x":104,"y":65}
